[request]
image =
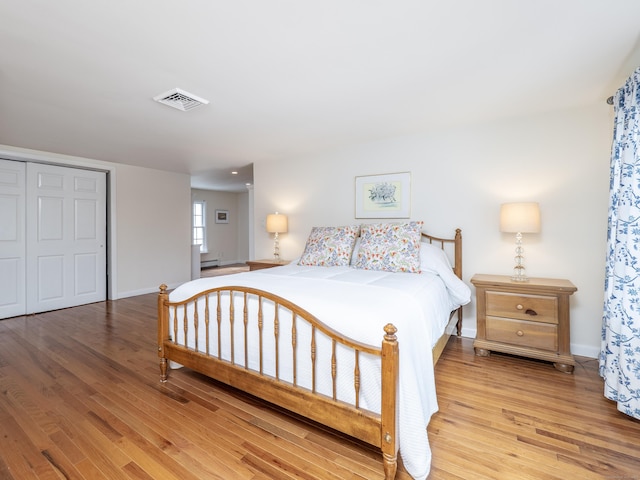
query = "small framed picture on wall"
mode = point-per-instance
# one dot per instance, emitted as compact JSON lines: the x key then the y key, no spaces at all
{"x":383,"y":196}
{"x":222,"y":216}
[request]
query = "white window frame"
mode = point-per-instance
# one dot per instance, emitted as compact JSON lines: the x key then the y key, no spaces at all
{"x":195,"y":228}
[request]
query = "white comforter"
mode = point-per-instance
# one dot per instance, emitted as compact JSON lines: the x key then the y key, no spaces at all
{"x":358,"y":303}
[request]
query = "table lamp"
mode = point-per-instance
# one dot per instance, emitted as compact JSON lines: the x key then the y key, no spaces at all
{"x":519,"y":218}
{"x":276,"y":224}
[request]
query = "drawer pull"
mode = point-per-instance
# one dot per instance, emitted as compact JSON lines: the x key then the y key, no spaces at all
{"x":533,"y":313}
{"x":519,"y":307}
{"x":520,"y":333}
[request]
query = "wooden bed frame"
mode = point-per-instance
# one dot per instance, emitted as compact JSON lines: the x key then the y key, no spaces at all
{"x":376,"y":429}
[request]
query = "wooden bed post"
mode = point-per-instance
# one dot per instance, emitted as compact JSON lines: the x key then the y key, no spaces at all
{"x":458,"y":271}
{"x":163,"y":330}
{"x":388,"y":431}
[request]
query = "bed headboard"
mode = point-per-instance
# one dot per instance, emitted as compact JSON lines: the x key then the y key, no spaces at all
{"x":451,"y":246}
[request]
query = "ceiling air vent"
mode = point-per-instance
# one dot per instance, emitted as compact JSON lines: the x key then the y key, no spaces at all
{"x":180,"y":99}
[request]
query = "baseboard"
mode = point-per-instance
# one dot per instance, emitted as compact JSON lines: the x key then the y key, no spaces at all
{"x":585,"y":351}
{"x":210,"y":263}
{"x":144,"y":291}
{"x":229,"y":262}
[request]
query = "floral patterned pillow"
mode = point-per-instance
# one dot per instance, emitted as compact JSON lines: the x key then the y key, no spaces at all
{"x":330,"y":246}
{"x":390,"y":247}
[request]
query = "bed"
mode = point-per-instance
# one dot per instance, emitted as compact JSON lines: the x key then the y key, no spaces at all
{"x":328,"y":342}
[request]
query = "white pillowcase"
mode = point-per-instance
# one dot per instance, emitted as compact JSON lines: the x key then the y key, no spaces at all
{"x":434,"y":259}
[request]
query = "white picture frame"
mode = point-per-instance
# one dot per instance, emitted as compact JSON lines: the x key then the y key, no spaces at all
{"x":222,"y":216}
{"x":383,"y":196}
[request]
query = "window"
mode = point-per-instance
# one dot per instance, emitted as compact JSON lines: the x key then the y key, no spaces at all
{"x":200,"y":225}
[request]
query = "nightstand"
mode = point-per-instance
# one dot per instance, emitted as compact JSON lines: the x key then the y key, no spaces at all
{"x":530,"y":319}
{"x":267,"y":263}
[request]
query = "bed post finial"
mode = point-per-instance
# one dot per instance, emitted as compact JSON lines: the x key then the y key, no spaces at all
{"x":390,"y":331}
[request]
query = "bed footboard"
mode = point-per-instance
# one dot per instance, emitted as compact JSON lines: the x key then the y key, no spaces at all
{"x":267,"y":346}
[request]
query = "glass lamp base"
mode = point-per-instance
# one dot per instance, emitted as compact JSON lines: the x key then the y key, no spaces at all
{"x":519,"y":272}
{"x":276,"y":249}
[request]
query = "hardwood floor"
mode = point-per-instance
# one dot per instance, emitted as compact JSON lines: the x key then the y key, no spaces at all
{"x":226,"y":270}
{"x":80,"y":398}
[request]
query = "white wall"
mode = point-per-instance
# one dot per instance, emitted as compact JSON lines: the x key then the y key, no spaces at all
{"x":153,"y":221}
{"x":459,"y":179}
{"x":150,"y":222}
{"x":226,"y":242}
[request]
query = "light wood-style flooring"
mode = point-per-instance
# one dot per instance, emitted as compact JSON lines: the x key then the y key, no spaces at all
{"x":225,"y":270}
{"x":80,"y":398}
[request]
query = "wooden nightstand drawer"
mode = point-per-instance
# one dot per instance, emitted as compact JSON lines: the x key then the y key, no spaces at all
{"x":535,"y":308}
{"x":523,"y":333}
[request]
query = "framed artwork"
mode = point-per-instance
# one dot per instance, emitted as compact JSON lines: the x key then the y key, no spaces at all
{"x":222,"y":216}
{"x":384,"y":196}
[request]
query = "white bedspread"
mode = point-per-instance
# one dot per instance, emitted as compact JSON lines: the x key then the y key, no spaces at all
{"x":358,"y":303}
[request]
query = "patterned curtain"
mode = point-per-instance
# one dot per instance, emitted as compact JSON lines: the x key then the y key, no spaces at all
{"x":620,"y":352}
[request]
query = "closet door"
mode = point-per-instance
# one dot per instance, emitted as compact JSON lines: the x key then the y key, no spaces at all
{"x":12,"y":239}
{"x":66,"y":237}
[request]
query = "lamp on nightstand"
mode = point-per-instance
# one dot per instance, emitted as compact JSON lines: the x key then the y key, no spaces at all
{"x":520,"y":218}
{"x":276,"y":223}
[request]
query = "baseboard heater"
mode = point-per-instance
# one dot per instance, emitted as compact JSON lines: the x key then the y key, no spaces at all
{"x":210,"y":263}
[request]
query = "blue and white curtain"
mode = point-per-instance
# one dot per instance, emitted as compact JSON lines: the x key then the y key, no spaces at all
{"x":620,"y":352}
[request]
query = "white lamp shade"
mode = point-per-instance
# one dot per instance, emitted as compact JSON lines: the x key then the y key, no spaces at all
{"x":276,"y":223}
{"x":520,"y":217}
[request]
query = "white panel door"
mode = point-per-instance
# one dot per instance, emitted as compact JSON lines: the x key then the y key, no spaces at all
{"x":12,"y":239}
{"x":66,"y":237}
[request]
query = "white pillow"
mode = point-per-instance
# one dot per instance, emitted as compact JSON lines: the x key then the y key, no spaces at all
{"x":433,"y":259}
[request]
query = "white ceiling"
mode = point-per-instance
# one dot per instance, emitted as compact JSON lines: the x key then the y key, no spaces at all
{"x":286,"y":78}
